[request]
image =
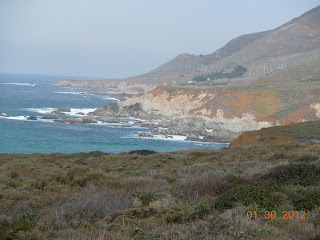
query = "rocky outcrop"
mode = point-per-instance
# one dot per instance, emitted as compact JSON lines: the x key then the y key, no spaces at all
{"x":32,"y":118}
{"x":146,"y":134}
{"x":217,"y":129}
{"x":110,"y":110}
{"x":112,"y":120}
{"x":49,"y":116}
{"x":82,"y":120}
{"x":61,"y":111}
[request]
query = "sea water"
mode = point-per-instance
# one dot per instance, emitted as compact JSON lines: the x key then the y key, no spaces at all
{"x":28,"y":95}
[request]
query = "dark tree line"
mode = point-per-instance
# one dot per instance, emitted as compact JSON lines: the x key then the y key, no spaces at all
{"x":238,"y":71}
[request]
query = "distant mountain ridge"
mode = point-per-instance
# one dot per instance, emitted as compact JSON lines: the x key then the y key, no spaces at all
{"x":291,"y":44}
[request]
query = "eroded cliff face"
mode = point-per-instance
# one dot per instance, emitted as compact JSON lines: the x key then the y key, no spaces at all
{"x":216,"y":113}
{"x":261,"y":104}
{"x":209,"y":114}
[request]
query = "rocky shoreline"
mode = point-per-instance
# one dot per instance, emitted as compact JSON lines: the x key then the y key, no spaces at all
{"x":195,"y":128}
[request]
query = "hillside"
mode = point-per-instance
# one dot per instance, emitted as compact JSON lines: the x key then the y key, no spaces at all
{"x":295,"y":133}
{"x":291,"y":44}
{"x":193,"y":194}
{"x":222,"y":113}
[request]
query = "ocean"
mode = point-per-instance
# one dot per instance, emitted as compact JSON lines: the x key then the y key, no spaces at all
{"x":24,"y":95}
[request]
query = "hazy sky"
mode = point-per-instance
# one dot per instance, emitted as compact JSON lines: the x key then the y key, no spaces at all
{"x":121,"y":38}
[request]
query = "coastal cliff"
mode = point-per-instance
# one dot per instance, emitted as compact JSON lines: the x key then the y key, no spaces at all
{"x":223,"y":113}
{"x":280,"y":86}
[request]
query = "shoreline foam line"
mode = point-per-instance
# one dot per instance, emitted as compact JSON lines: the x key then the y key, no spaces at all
{"x":20,"y":84}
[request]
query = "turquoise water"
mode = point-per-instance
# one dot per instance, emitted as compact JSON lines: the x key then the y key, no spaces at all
{"x":22,"y":96}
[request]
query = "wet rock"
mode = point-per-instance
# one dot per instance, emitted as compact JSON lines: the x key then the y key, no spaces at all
{"x":148,"y":124}
{"x":110,"y":120}
{"x":80,"y":113}
{"x":82,"y":120}
{"x":61,"y":111}
{"x":111,"y":109}
{"x":32,"y":118}
{"x":49,"y":116}
{"x":69,"y":120}
{"x":145,"y":134}
{"x":89,"y":119}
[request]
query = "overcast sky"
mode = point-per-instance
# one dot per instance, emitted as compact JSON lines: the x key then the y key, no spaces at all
{"x":122,"y":38}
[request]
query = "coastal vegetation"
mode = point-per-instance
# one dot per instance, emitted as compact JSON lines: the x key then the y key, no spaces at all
{"x":143,"y":194}
{"x":238,"y":71}
{"x":299,"y":132}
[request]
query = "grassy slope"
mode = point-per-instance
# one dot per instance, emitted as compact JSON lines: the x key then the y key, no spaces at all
{"x":299,"y":132}
{"x":145,"y":195}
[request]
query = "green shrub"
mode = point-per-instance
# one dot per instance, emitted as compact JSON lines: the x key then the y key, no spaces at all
{"x":146,"y":197}
{"x":143,"y":152}
{"x":307,"y":158}
{"x":139,"y":234}
{"x":295,"y":174}
{"x":199,"y":79}
{"x":93,"y":176}
{"x":198,"y":154}
{"x":76,"y":171}
{"x":306,"y":200}
{"x":95,"y":154}
{"x":210,"y":185}
{"x":260,"y":195}
{"x":200,"y":209}
{"x":59,"y":176}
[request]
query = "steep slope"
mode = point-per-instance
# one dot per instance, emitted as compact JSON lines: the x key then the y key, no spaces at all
{"x":186,"y":61}
{"x":290,"y":44}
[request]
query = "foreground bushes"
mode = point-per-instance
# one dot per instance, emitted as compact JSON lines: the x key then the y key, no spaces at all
{"x":147,"y":195}
{"x":295,"y":174}
{"x":83,"y":210}
{"x":260,"y":195}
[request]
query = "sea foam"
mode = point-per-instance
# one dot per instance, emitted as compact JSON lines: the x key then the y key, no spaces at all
{"x":20,"y":84}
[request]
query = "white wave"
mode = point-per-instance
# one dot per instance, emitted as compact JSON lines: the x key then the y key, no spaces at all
{"x":39,"y":119}
{"x":41,"y":110}
{"x":109,"y":98}
{"x":21,"y":84}
{"x":170,"y":137}
{"x":18,"y":118}
{"x":25,"y":118}
{"x":118,"y":125}
{"x":160,"y":137}
{"x":75,"y":111}
{"x":82,"y":93}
